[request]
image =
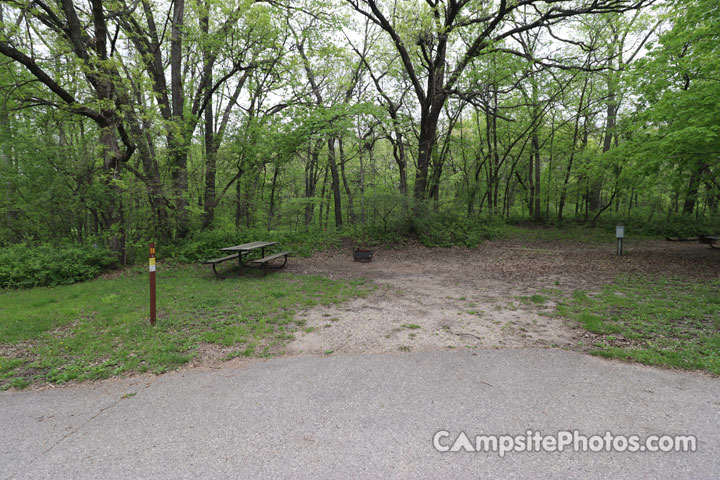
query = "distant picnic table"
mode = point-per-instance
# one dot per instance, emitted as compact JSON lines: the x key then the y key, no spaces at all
{"x":705,"y":239}
{"x":243,"y":250}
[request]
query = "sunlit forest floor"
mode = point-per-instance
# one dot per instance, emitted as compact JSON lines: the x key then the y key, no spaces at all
{"x":658,"y":304}
{"x":532,"y":289}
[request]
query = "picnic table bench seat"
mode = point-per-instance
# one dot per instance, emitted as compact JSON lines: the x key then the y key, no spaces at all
{"x":703,"y":239}
{"x":709,"y":239}
{"x":221,"y":259}
{"x":238,"y":251}
{"x":265,"y":261}
{"x":215,"y":261}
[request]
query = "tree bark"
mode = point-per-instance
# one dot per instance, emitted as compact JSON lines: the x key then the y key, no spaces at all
{"x":210,"y":144}
{"x":691,"y":193}
{"x":335,"y":183}
{"x":536,"y":190}
{"x":348,"y":191}
{"x":178,"y":147}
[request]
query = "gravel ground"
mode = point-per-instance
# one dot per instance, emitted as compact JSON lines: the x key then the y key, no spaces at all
{"x":439,"y":298}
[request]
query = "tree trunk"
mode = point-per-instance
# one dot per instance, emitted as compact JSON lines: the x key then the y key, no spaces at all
{"x":238,"y":202}
{"x":536,"y":152}
{"x":271,"y":211}
{"x":335,"y":184}
{"x":210,"y":144}
{"x":428,"y":132}
{"x":113,"y":223}
{"x":530,"y":180}
{"x":692,"y":193}
{"x":348,"y":192}
{"x":712,"y":198}
{"x":399,"y":155}
{"x":178,"y":146}
{"x":311,"y":178}
{"x":322,"y":197}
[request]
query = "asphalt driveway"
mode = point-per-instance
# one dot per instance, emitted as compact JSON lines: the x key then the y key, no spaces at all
{"x":364,"y":416}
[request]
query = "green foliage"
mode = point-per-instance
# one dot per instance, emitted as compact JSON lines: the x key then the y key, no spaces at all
{"x":675,"y":226}
{"x":22,"y":265}
{"x":445,"y":229}
{"x":100,"y":328}
{"x":273,"y":169}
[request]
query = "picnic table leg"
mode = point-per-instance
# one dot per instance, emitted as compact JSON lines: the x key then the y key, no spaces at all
{"x":241,"y":265}
{"x":216,"y":272}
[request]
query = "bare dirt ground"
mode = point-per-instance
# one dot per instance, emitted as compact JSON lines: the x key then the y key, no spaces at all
{"x":440,"y":298}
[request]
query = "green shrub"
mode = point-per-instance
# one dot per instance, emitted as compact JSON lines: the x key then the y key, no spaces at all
{"x":678,"y":226}
{"x":447,"y":229}
{"x":23,"y":266}
{"x":660,"y":226}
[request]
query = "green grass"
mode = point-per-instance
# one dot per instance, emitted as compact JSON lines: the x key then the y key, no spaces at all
{"x":100,"y":328}
{"x":536,"y":299}
{"x":657,"y":321}
{"x":411,"y":326}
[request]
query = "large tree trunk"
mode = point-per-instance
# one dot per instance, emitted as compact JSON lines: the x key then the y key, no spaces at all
{"x":210,"y":169}
{"x":427,"y":139}
{"x":113,"y":219}
{"x":692,"y":193}
{"x":178,"y":143}
{"x":335,"y":184}
{"x":536,"y":188}
{"x":210,"y":143}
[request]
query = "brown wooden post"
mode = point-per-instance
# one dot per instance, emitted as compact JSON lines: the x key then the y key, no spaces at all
{"x":153,"y":311}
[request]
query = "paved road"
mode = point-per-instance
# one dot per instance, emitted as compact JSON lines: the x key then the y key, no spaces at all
{"x":361,"y":417}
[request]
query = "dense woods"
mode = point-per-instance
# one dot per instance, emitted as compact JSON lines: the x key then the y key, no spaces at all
{"x":132,"y":120}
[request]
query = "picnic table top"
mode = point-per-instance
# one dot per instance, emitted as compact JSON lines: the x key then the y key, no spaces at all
{"x":245,"y":247}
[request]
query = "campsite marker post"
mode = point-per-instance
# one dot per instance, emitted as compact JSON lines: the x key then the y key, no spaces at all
{"x":153,"y":311}
{"x":620,"y":234}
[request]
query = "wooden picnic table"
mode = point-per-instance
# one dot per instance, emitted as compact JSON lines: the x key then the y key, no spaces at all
{"x":244,"y":249}
{"x":706,"y":239}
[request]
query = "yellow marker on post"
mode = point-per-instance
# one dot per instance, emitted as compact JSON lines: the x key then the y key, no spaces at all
{"x":153,"y":311}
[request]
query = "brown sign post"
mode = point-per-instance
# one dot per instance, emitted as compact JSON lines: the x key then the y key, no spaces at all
{"x":153,"y":311}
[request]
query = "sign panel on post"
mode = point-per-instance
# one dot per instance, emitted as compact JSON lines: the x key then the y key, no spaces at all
{"x":153,"y":312}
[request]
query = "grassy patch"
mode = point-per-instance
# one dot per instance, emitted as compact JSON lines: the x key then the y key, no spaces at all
{"x":656,"y":321}
{"x":100,"y":328}
{"x":411,"y":326}
{"x":535,"y":299}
